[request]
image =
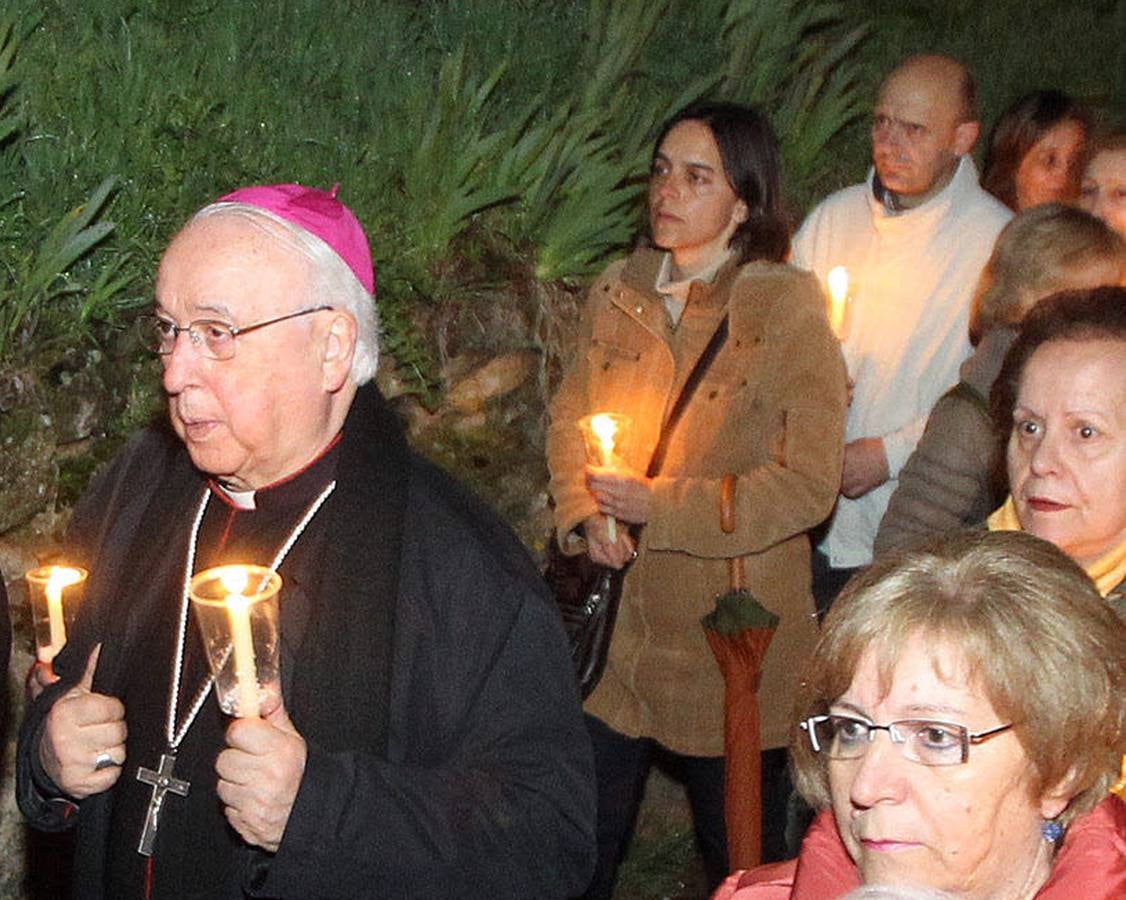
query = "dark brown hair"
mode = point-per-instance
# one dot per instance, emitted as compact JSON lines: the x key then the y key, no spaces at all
{"x":1097,"y":314}
{"x":748,"y":148}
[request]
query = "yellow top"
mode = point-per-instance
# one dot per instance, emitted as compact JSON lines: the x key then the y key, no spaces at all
{"x":1108,"y":571}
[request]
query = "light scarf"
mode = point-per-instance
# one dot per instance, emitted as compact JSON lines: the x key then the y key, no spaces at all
{"x":1107,"y":571}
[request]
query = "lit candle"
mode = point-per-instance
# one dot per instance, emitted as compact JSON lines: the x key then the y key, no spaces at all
{"x":60,"y":577}
{"x":838,"y":300}
{"x":606,"y":430}
{"x":234,"y":579}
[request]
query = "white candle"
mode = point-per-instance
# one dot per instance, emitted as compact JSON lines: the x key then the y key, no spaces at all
{"x":235,"y":579}
{"x":838,"y":300}
{"x":60,"y":577}
{"x":606,"y":429}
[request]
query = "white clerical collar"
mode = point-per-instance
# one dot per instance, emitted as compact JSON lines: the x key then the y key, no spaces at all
{"x":239,"y":499}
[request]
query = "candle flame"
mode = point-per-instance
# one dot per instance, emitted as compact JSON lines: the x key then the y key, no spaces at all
{"x":838,"y":284}
{"x":605,"y":429}
{"x":61,"y":577}
{"x":234,"y":580}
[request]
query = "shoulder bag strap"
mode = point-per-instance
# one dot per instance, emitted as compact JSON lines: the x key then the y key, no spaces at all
{"x":719,"y":338}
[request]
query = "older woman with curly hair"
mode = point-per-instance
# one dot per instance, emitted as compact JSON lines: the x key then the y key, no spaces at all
{"x":961,"y":723}
{"x":1061,"y":402}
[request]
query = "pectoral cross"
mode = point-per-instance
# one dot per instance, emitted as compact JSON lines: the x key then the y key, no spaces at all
{"x":162,"y":782}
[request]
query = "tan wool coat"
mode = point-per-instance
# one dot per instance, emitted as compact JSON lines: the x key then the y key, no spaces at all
{"x":771,"y":410}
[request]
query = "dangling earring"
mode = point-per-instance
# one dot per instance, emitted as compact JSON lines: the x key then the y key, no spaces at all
{"x":1051,"y":830}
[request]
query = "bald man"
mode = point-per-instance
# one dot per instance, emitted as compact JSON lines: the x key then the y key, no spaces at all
{"x":914,"y":238}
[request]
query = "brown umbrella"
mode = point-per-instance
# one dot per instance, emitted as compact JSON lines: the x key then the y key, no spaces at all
{"x":739,"y":631}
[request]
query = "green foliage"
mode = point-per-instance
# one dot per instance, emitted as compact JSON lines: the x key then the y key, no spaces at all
{"x":44,"y":297}
{"x":791,"y":57}
{"x":439,"y":119}
{"x":445,"y":122}
{"x":448,"y":122}
{"x":8,"y":44}
{"x":445,"y":178}
{"x":583,"y":188}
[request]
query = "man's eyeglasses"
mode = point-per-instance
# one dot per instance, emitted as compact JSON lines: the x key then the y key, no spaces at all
{"x":920,"y":740}
{"x":213,"y":338}
{"x":885,"y":128}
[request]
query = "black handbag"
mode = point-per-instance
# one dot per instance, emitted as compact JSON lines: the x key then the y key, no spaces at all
{"x":587,"y":596}
{"x":588,"y":593}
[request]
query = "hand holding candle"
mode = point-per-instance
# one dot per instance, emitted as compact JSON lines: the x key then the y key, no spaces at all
{"x":82,"y":747}
{"x":260,"y":773}
{"x":49,"y":614}
{"x":604,"y":434}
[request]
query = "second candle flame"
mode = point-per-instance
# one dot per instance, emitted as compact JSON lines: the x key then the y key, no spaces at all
{"x":838,"y":299}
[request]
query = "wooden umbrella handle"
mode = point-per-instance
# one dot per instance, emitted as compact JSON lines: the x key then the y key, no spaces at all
{"x":736,"y":574}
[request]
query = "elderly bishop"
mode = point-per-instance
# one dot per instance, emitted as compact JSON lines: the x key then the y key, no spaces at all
{"x":428,"y":737}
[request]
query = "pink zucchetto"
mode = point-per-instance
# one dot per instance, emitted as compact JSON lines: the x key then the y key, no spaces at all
{"x":320,"y":214}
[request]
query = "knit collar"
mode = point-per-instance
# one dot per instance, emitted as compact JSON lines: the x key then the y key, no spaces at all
{"x":1108,"y":571}
{"x":956,"y":191}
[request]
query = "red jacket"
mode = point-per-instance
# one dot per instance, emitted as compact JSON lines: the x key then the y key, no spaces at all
{"x":1091,"y":864}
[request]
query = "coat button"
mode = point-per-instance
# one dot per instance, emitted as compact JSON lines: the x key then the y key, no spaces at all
{"x":639,"y":309}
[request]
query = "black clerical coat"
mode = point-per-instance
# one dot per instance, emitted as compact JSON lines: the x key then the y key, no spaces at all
{"x":425,"y":668}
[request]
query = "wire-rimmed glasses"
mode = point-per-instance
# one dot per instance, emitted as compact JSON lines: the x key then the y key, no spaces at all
{"x":212,"y":337}
{"x":927,"y":741}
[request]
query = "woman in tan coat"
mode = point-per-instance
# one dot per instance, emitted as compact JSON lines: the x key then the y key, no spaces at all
{"x":770,"y":410}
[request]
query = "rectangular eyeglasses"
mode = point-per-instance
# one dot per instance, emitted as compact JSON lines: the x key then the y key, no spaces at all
{"x":926,"y":741}
{"x":215,"y":339}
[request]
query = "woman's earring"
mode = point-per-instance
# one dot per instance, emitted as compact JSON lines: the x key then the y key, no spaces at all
{"x":1051,"y":830}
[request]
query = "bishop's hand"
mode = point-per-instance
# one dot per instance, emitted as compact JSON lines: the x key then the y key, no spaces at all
{"x":259,"y":774}
{"x":83,"y":745}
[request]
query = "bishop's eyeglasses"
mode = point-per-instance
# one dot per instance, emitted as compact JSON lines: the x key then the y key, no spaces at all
{"x":926,"y":741}
{"x":215,"y":339}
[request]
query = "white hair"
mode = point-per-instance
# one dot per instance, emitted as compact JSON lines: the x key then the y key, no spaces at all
{"x":331,"y":282}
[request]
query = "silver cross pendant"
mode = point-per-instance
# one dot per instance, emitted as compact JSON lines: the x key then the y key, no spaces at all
{"x":162,"y":782}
